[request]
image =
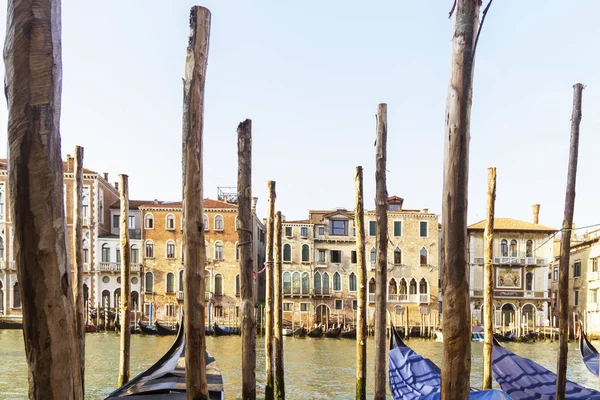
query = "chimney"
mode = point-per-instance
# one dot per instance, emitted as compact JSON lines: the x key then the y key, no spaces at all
{"x":106,"y":176}
{"x":426,"y":211}
{"x":264,"y":221}
{"x":70,"y":163}
{"x":117,"y":186}
{"x":254,"y":201}
{"x":536,"y":213}
{"x":155,"y":201}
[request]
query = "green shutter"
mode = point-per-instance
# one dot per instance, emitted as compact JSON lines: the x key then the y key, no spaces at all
{"x":397,"y":228}
{"x":372,"y":228}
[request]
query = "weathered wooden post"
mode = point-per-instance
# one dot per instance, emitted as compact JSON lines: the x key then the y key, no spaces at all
{"x":78,"y":267}
{"x":456,"y":370}
{"x":279,"y":377}
{"x":565,"y":246}
{"x":361,"y":324}
{"x":33,"y":64}
{"x":193,"y":229}
{"x":382,"y":244}
{"x":244,"y":189}
{"x":488,"y":313}
{"x":124,"y":367}
{"x":269,"y":304}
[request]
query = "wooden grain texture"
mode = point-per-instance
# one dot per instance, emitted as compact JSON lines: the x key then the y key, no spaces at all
{"x":125,"y":342}
{"x":193,"y":230}
{"x":244,"y":188}
{"x":361,"y":320}
{"x":381,"y":208}
{"x":565,"y":246}
{"x":488,"y":281}
{"x":278,"y":312}
{"x":78,"y":265}
{"x":270,"y":292}
{"x":456,"y":366}
{"x":33,"y":74}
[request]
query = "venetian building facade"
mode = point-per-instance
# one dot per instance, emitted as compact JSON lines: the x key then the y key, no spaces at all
{"x":98,"y":194}
{"x":320,"y":266}
{"x":162,"y":271}
{"x":521,"y":253}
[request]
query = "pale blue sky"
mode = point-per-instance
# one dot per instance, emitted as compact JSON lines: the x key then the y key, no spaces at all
{"x":310,"y":75}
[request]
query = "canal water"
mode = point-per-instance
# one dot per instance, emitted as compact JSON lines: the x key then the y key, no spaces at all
{"x":314,"y":368}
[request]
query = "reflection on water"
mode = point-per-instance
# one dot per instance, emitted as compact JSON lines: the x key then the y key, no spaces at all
{"x":314,"y":368}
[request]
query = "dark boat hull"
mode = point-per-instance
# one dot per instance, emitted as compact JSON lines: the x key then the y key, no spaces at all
{"x":300,"y":332}
{"x":317,"y":332}
{"x":163,"y":330}
{"x":147,"y":329}
{"x":349,"y":334}
{"x":218,"y":331}
{"x":333,"y":332}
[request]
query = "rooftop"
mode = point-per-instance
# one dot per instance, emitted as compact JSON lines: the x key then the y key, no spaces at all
{"x":510,"y":224}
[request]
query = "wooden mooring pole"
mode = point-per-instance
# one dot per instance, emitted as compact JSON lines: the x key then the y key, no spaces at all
{"x":32,"y":86}
{"x":382,"y":245}
{"x":193,"y":229}
{"x":456,"y":367}
{"x":124,"y":367}
{"x":270,"y":292}
{"x":244,"y":189}
{"x":78,"y":268}
{"x":278,"y":297}
{"x":563,"y":277}
{"x":361,"y":324}
{"x":488,"y":281}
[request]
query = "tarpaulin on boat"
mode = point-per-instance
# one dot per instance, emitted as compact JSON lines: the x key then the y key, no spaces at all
{"x":588,"y":352}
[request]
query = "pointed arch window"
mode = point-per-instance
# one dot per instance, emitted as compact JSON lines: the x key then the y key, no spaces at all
{"x":504,"y":248}
{"x":305,"y":253}
{"x":413,"y":286}
{"x":287,"y":283}
{"x":352,"y":282}
{"x":392,"y":290}
{"x":218,"y":223}
{"x":305,"y":283}
{"x":403,"y":290}
{"x":317,"y":283}
{"x":423,"y":256}
{"x":170,"y":282}
{"x":513,"y":248}
{"x":287,"y":252}
{"x":529,"y":248}
{"x":423,"y":286}
{"x":16,"y":296}
{"x":149,"y":221}
{"x":326,"y":288}
{"x":296,"y":283}
{"x":218,"y":284}
{"x":397,"y":256}
{"x":337,"y":282}
{"x":170,"y":225}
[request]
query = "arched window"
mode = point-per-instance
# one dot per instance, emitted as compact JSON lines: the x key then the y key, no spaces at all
{"x":181,"y":281}
{"x":105,"y":299}
{"x":337,"y":282}
{"x":373,"y":255}
{"x":170,"y":222}
{"x":16,"y":296}
{"x":149,"y":284}
{"x":85,"y":247}
{"x":149,"y":221}
{"x":372,"y":287}
{"x":206,"y":281}
{"x":117,"y":298}
{"x":218,"y":223}
{"x":317,"y":280}
{"x":170,"y":282}
{"x":403,"y":289}
{"x":205,"y":222}
{"x":170,"y":249}
{"x":207,"y":250}
{"x":397,"y":256}
{"x":219,"y":251}
{"x":287,"y":283}
{"x":529,"y":281}
{"x":237,"y":285}
{"x":423,"y":286}
{"x":287,"y":252}
{"x":503,"y":248}
{"x":296,"y":283}
{"x":305,"y":253}
{"x":413,"y":286}
{"x":352,"y":282}
{"x":529,"y":248}
{"x":105,"y":253}
{"x":135,"y":301}
{"x":326,"y":283}
{"x":392,"y":287}
{"x":423,"y":256}
{"x":135,"y":254}
{"x":218,"y":284}
{"x":305,"y":283}
{"x":513,"y":248}
{"x":149,"y":249}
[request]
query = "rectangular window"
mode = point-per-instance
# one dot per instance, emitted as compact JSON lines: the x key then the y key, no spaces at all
{"x":116,"y":220}
{"x":577,"y":269}
{"x":118,"y":255}
{"x":321,"y":256}
{"x":321,"y":230}
{"x":355,"y":304}
{"x":304,"y":231}
{"x":304,"y":307}
{"x":131,"y":223}
{"x":339,"y":304}
{"x":372,"y":228}
{"x":170,"y":250}
{"x":576,"y":298}
{"x":338,"y":227}
{"x":394,"y":207}
{"x":288,"y":306}
{"x":594,"y":264}
{"x":170,"y":310}
{"x":336,"y":256}
{"x":353,"y":257}
{"x":288,"y":231}
{"x":556,"y":274}
{"x":423,"y":228}
{"x":593,"y":296}
{"x":397,"y":228}
{"x":135,"y":255}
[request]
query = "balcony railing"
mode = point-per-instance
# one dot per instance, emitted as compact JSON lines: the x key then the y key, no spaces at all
{"x":180,"y":295}
{"x":478,"y":260}
{"x":371,"y":297}
{"x":424,"y":298}
{"x":116,"y":267}
{"x":86,"y":221}
{"x":12,"y":265}
{"x":521,"y":261}
{"x":592,"y":276}
{"x":392,"y":298}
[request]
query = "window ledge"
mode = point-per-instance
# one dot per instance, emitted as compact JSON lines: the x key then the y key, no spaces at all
{"x":218,"y":230}
{"x":170,"y":229}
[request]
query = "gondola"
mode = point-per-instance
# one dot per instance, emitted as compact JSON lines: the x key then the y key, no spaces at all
{"x":333,"y":332}
{"x":287,"y":331}
{"x":218,"y":331}
{"x":147,"y":329}
{"x":588,"y":352}
{"x":132,"y":328}
{"x":316,"y":332}
{"x":524,"y":379}
{"x":164,"y":330}
{"x":413,"y":377}
{"x":165,"y":380}
{"x":300,"y":332}
{"x":349,"y":334}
